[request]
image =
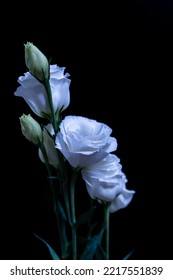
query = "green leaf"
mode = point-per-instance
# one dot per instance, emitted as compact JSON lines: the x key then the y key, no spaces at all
{"x":46,"y":116}
{"x":85,"y":217}
{"x":92,"y":246}
{"x":51,"y":250}
{"x":61,"y":210}
{"x":128,"y":255}
{"x":53,"y":177}
{"x":100,"y":253}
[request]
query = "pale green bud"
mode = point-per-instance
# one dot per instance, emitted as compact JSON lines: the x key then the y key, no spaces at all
{"x":31,"y":129}
{"x":36,"y":62}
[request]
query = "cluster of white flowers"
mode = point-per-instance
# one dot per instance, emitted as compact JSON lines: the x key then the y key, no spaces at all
{"x":85,"y":143}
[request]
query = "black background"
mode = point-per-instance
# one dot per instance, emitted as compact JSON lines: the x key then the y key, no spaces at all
{"x":119,"y":56}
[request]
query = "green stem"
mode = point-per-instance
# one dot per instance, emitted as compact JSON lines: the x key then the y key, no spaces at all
{"x":50,"y":173}
{"x":106,"y":221}
{"x":62,"y":235}
{"x":59,"y":219}
{"x":62,"y":169}
{"x":49,"y":96}
{"x":73,"y":215}
{"x":64,"y":183}
{"x":66,"y":199}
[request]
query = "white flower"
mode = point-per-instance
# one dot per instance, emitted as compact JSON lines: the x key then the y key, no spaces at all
{"x":35,"y":94}
{"x":122,"y":200}
{"x":49,"y":146}
{"x":103,"y":178}
{"x":36,"y":62}
{"x":84,"y":141}
{"x":105,"y":181}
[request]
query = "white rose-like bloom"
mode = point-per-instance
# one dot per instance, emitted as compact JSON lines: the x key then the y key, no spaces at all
{"x":35,"y":94}
{"x":49,"y":146}
{"x":84,"y":141}
{"x":105,"y":181}
{"x":122,"y":200}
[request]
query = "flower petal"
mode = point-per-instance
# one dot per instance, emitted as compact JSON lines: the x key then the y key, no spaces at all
{"x":87,"y":139}
{"x":122,"y":200}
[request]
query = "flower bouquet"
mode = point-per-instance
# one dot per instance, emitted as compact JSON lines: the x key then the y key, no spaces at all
{"x":72,"y":147}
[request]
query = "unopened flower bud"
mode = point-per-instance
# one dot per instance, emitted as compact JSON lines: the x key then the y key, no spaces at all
{"x":36,"y":62}
{"x":31,"y":129}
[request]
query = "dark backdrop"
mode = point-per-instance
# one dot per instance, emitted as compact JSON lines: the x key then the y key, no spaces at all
{"x":119,"y":56}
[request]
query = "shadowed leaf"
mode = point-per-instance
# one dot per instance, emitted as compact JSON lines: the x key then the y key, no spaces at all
{"x":128,"y":255}
{"x":51,"y":250}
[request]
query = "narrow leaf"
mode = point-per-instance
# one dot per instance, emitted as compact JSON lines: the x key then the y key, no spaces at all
{"x":128,"y":255}
{"x":91,"y":246}
{"x":51,"y":250}
{"x":100,"y":253}
{"x":53,"y":177}
{"x":61,"y":210}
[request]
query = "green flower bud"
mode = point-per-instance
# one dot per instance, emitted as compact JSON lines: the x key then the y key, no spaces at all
{"x":36,"y":62}
{"x":31,"y":129}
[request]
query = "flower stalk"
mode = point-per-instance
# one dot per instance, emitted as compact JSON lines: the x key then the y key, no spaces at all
{"x":50,"y":101}
{"x":107,"y":228}
{"x":61,"y":225}
{"x":73,"y":214}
